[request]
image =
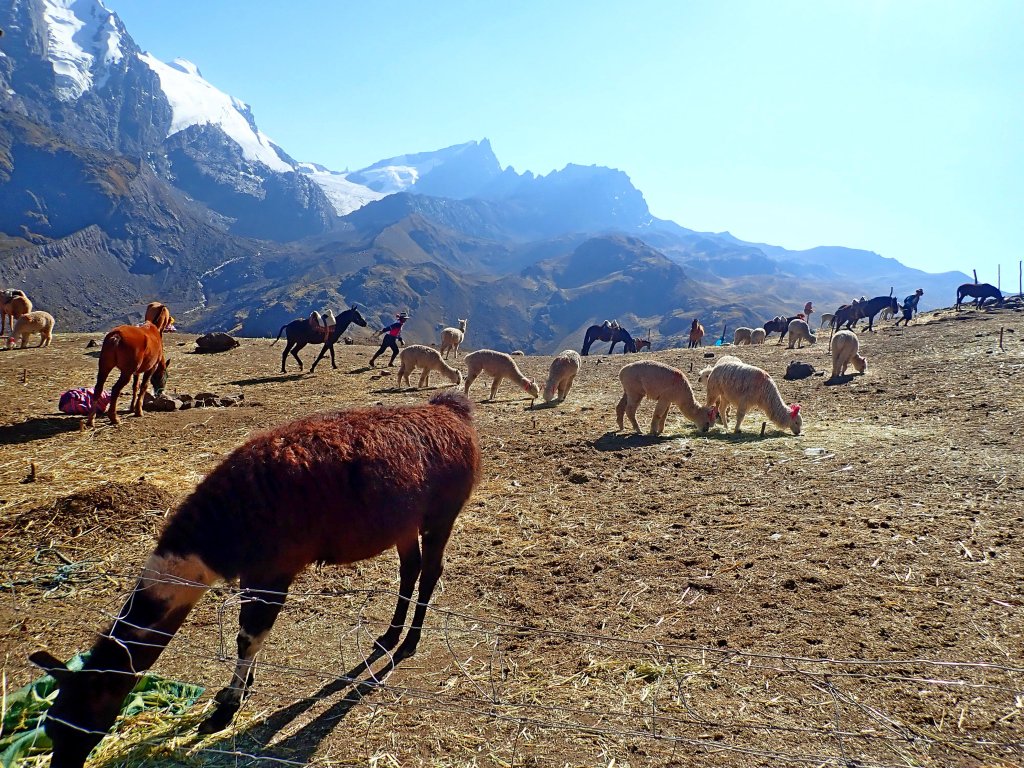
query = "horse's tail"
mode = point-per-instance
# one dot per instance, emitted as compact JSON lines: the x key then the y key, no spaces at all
{"x":279,"y":334}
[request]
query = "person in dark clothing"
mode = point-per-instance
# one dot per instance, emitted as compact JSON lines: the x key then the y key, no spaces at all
{"x":910,"y":306}
{"x":392,"y":338}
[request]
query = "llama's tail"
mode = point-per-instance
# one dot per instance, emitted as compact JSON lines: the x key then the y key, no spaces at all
{"x":279,"y":334}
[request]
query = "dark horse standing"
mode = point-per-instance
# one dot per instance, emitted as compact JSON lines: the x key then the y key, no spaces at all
{"x":851,"y":313}
{"x":300,"y":333}
{"x":980,"y":292}
{"x":607,"y":333}
{"x":779,"y":325}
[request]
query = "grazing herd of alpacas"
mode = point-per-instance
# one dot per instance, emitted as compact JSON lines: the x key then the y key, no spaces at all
{"x":370,"y":479}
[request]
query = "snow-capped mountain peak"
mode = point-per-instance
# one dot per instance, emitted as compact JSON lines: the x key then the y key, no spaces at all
{"x":83,"y":40}
{"x":194,"y":101}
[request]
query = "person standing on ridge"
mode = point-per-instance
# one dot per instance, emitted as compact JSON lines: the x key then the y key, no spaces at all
{"x":392,"y":338}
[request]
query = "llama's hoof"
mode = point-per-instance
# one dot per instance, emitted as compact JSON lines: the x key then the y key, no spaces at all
{"x":389,"y":639}
{"x":404,"y":651}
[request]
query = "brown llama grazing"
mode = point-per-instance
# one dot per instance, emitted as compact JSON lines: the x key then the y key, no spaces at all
{"x":133,"y":350}
{"x":333,"y":488}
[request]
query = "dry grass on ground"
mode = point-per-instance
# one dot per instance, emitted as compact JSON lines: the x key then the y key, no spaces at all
{"x":852,"y":596}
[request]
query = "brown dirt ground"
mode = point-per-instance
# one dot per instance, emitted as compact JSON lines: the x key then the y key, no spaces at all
{"x":851,"y":596}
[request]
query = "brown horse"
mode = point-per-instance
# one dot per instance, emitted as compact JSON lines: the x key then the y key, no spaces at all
{"x":134,"y":350}
{"x":696,"y":335}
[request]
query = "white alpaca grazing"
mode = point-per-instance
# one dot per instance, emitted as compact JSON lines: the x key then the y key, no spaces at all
{"x":561,"y":374}
{"x":429,"y":359}
{"x":800,"y":332}
{"x":757,"y":336}
{"x":666,"y":386}
{"x":733,"y":382}
{"x":741,"y":336}
{"x":34,"y":322}
{"x":500,"y":366}
{"x":452,"y":338}
{"x":845,"y":350}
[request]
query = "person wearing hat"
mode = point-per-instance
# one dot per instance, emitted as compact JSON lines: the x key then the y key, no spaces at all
{"x":910,"y":306}
{"x":392,"y":338}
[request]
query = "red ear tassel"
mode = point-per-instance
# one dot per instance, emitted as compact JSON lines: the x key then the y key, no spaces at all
{"x":794,"y":409}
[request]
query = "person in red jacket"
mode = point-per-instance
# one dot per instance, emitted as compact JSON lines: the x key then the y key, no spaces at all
{"x":392,"y":338}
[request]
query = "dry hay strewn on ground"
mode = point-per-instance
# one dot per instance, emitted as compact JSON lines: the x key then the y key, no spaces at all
{"x":852,"y":596}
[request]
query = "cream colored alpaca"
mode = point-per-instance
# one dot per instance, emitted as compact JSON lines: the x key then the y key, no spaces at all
{"x":500,"y":366}
{"x":757,"y":336}
{"x":429,"y":359}
{"x":826,"y":319}
{"x":799,"y":332}
{"x":561,"y":374}
{"x":741,"y":336}
{"x":13,"y":303}
{"x":733,"y":382}
{"x":665,"y":385}
{"x":845,"y":350}
{"x":452,"y":338}
{"x":34,"y":322}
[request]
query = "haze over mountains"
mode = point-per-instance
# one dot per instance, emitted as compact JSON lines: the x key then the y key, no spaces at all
{"x":123,"y":179}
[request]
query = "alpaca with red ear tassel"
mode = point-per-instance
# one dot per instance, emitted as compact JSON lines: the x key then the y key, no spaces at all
{"x":733,"y":382}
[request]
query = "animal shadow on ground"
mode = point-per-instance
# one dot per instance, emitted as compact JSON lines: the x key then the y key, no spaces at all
{"x":38,"y":428}
{"x":362,"y":369}
{"x":747,"y":435}
{"x":267,"y":379}
{"x":622,"y":441}
{"x":93,"y":353}
{"x":838,"y":380}
{"x":302,"y":745}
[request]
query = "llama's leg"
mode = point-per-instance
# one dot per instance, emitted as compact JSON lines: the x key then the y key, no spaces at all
{"x":740,"y":413}
{"x":471,"y":375}
{"x":425,"y":378}
{"x":456,"y":351}
{"x":631,"y":405}
{"x":434,"y":542}
{"x":494,"y":386}
{"x":261,"y":603}
{"x":409,"y":563}
{"x":660,"y":414}
{"x":620,"y":410}
{"x":284,"y":356}
{"x":122,"y":380}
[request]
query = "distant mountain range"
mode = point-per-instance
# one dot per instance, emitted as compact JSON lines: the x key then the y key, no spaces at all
{"x":124,"y":178}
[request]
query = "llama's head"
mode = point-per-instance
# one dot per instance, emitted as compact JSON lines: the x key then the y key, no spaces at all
{"x":531,"y":388}
{"x":355,"y":317}
{"x":860,"y":363}
{"x":707,"y":418}
{"x":86,"y":706}
{"x":462,"y":324}
{"x":795,"y":422}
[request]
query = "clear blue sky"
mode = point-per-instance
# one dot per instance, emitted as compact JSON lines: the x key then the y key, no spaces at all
{"x":896,"y":126}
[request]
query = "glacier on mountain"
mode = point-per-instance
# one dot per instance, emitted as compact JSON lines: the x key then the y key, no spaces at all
{"x":194,"y":101}
{"x":83,"y":42}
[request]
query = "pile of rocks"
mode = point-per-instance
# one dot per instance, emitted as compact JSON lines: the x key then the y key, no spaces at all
{"x":182,"y":402}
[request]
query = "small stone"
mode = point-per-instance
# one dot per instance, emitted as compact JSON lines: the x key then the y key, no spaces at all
{"x":162,"y":403}
{"x":227,"y":402}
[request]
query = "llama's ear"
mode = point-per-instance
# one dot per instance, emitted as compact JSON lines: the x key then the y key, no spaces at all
{"x":354,"y":306}
{"x":51,"y":665}
{"x":794,"y":410}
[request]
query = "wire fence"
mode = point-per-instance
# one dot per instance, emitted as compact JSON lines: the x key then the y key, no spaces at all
{"x":576,"y":690}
